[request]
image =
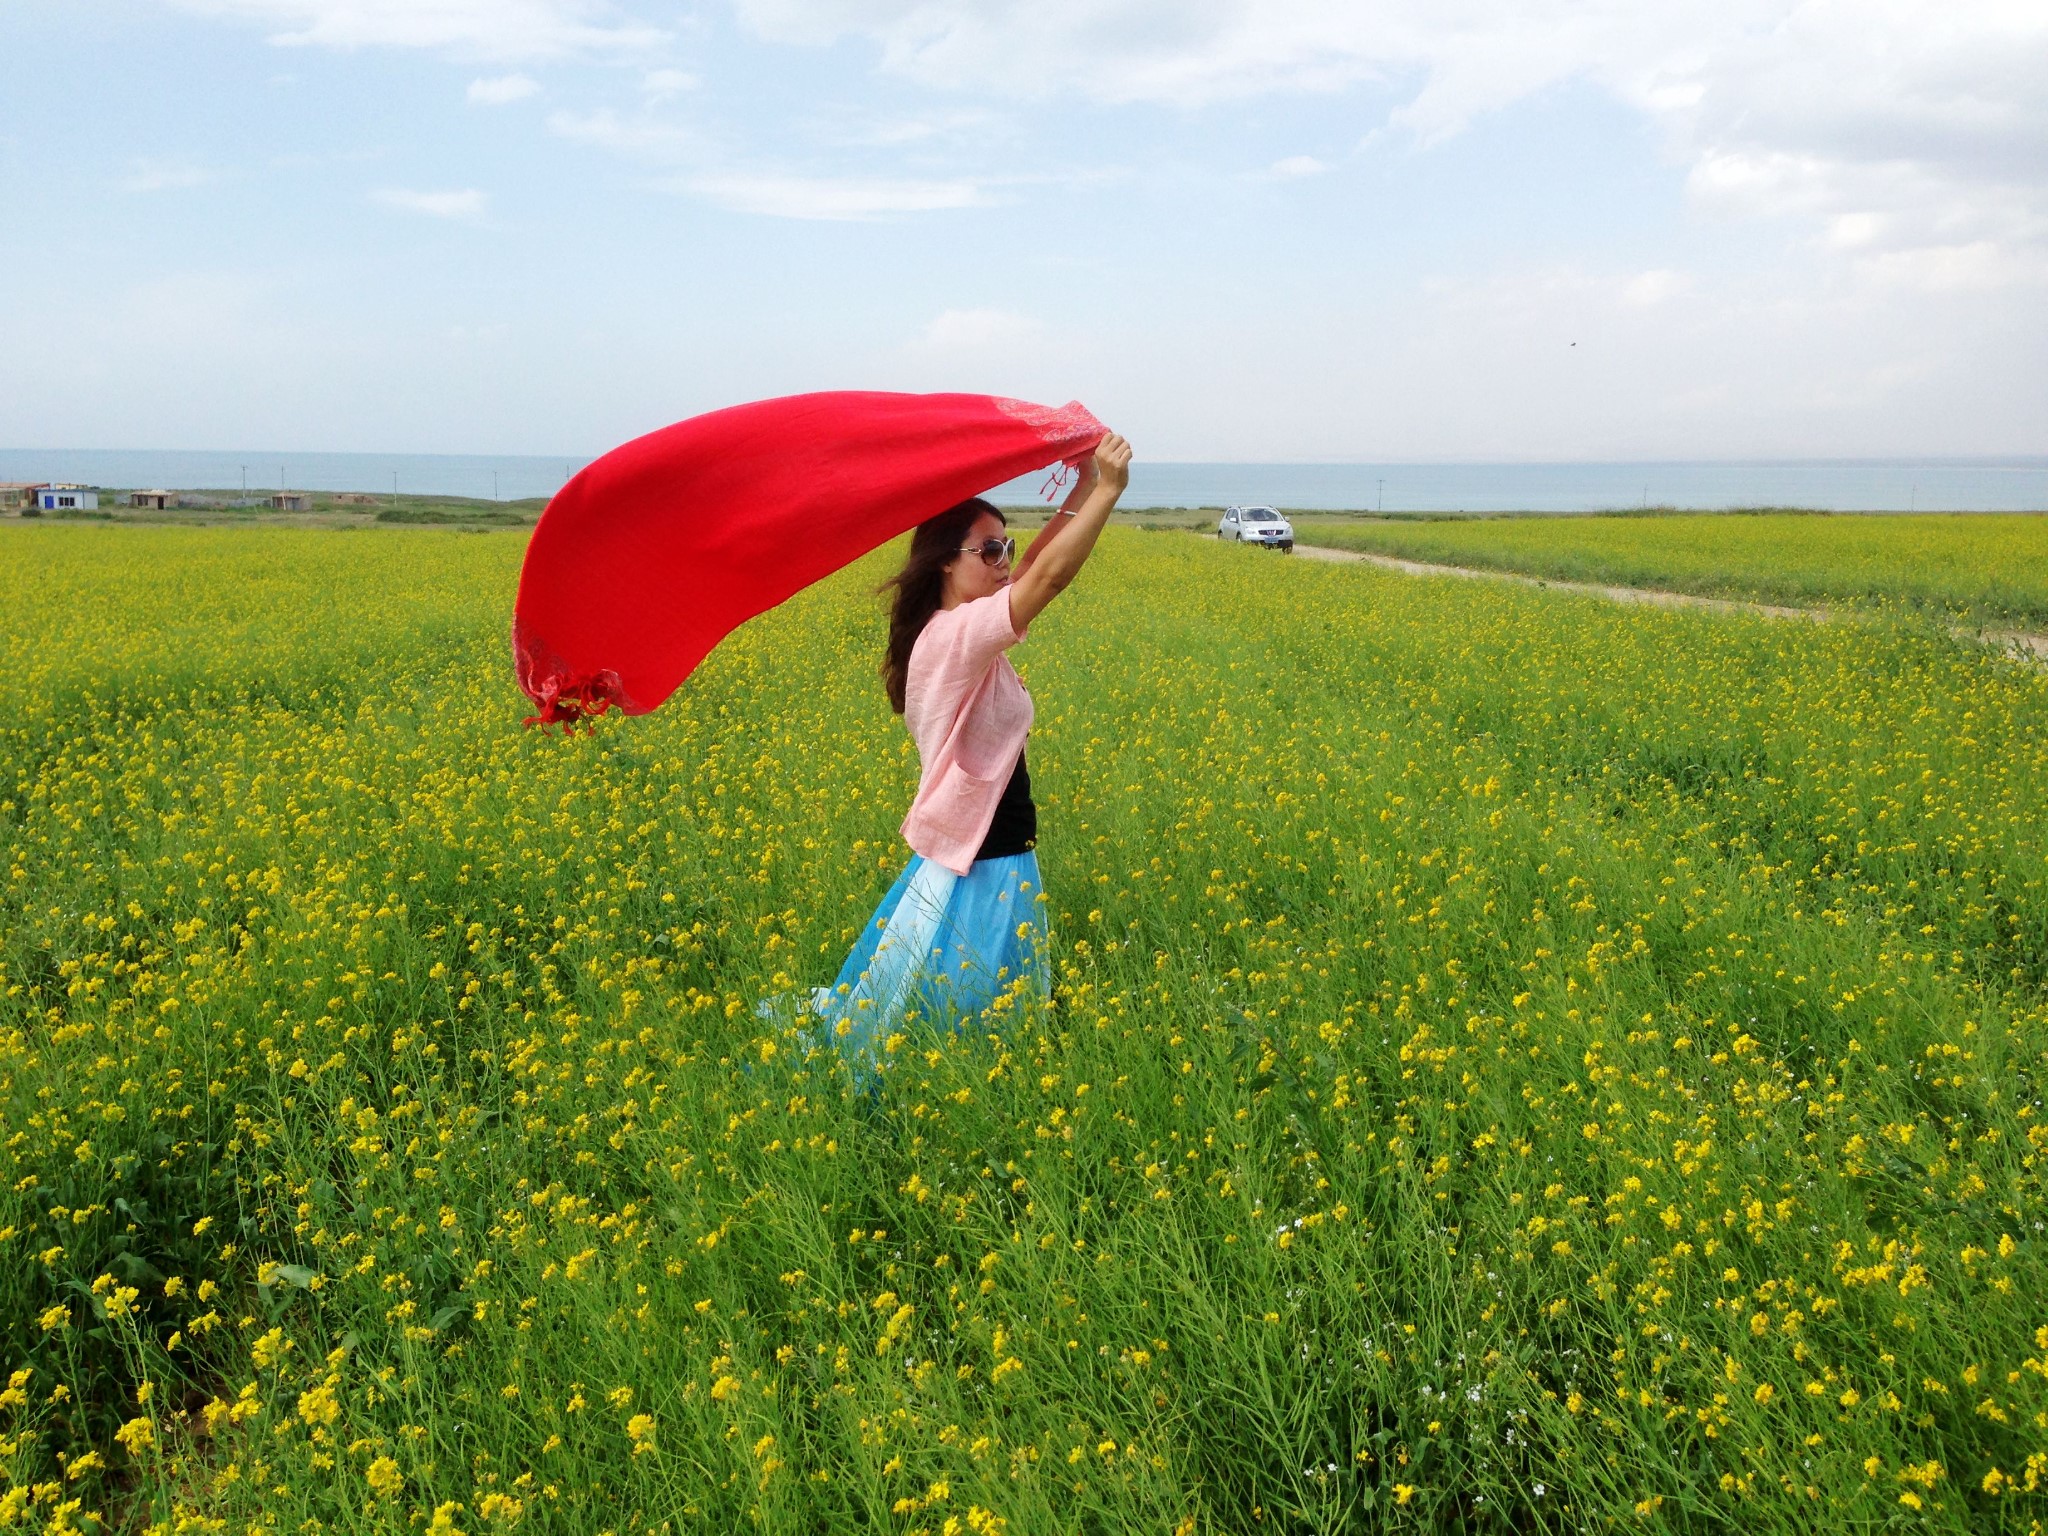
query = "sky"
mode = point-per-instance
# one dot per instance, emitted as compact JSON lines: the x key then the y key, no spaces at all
{"x":1238,"y":230}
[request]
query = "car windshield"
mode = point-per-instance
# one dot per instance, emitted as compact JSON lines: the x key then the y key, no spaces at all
{"x":1262,"y":515}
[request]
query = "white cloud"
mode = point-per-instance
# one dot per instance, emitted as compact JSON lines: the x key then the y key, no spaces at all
{"x":1889,"y":125}
{"x":706,"y":162}
{"x":660,"y":84}
{"x":1852,"y":231}
{"x":1654,"y":287}
{"x":150,"y":175}
{"x":1178,"y":51}
{"x":1295,"y":167}
{"x":834,"y":197}
{"x":487,"y":29}
{"x":1747,"y":183}
{"x":1982,"y":266}
{"x":976,"y":330}
{"x":898,"y":132}
{"x":467,"y":204}
{"x":1890,"y":158}
{"x":502,"y":90}
{"x":640,"y":137}
{"x":1922,"y":123}
{"x":1752,"y":364}
{"x":1864,"y":209}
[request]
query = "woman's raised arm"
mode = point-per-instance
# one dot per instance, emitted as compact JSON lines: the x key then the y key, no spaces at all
{"x":1056,"y":556}
{"x":1084,"y":482}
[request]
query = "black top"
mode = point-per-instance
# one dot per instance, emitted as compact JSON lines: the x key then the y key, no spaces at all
{"x":1015,"y":828}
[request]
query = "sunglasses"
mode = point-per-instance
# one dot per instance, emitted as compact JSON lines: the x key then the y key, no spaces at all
{"x":992,"y":551}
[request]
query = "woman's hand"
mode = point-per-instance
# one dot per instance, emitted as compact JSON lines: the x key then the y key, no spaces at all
{"x":1111,"y":465}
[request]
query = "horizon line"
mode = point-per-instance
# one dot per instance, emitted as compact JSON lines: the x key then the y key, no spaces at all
{"x":1984,"y":460}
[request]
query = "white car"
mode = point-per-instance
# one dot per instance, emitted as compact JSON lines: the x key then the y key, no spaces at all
{"x":1256,"y":525}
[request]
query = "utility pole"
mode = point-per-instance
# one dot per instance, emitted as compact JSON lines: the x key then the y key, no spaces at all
{"x":1383,"y":495}
{"x":245,"y":479}
{"x":494,"y":485}
{"x":394,"y":488}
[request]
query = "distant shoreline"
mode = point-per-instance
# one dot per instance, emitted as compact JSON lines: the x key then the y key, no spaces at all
{"x":2015,"y":484}
{"x":343,"y":510}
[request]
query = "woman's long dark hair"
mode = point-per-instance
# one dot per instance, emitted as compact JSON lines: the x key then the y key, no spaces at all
{"x":922,"y":582}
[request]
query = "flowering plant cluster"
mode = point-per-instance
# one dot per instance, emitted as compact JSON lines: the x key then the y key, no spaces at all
{"x":1515,"y":1063}
{"x":1990,"y":569}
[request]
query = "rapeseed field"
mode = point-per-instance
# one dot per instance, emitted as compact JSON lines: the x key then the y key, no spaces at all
{"x":1517,"y":1064}
{"x":1989,"y":568}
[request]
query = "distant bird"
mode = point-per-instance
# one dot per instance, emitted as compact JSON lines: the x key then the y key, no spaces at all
{"x":1575,"y":343}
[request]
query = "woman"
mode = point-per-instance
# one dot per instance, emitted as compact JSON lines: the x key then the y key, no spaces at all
{"x":963,"y":928}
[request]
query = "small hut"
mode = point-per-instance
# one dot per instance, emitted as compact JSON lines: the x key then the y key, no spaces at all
{"x":291,"y":501}
{"x":160,"y":500}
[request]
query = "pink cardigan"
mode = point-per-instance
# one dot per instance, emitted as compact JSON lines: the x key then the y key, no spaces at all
{"x":969,"y":714}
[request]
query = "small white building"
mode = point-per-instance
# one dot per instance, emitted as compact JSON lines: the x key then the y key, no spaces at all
{"x":160,"y":500}
{"x":68,"y":498}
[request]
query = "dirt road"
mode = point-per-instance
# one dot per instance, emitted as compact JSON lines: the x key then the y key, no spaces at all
{"x":2019,"y":641}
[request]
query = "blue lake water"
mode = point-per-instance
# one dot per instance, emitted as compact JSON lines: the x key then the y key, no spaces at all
{"x":1843,"y":485}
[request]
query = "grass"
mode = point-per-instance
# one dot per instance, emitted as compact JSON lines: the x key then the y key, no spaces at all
{"x":1991,"y":568}
{"x":1518,"y":1064}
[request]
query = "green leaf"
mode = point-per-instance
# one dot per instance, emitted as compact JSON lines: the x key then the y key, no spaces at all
{"x":97,"y":1303}
{"x":136,"y":1270}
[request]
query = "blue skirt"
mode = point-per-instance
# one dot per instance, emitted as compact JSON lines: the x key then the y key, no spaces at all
{"x":942,"y":949}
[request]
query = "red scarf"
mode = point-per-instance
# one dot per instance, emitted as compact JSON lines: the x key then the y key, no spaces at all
{"x":663,"y":547}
